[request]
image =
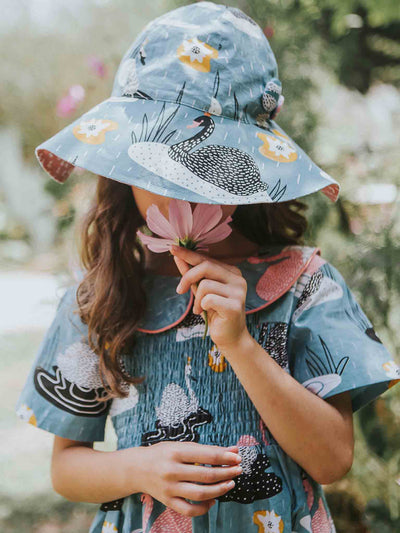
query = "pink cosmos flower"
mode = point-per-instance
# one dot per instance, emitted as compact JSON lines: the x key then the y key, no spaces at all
{"x":184,"y":228}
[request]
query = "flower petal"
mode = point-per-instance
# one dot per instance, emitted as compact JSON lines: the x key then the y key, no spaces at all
{"x":205,"y":217}
{"x":158,"y":224}
{"x":180,"y":217}
{"x":154,"y":243}
{"x":217,"y":234}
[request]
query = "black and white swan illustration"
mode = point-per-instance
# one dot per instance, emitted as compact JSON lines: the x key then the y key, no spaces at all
{"x":178,"y":415}
{"x":222,"y":171}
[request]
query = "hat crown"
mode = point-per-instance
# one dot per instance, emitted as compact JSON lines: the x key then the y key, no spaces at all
{"x":208,"y":56}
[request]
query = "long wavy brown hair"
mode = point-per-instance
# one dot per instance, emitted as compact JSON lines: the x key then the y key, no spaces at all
{"x":111,"y":296}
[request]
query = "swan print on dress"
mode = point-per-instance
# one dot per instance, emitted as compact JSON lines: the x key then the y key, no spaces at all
{"x":254,"y":483}
{"x":75,"y":386}
{"x":178,"y":415}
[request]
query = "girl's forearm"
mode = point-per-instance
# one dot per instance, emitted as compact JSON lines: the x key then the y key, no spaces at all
{"x":310,"y":430}
{"x":80,"y":473}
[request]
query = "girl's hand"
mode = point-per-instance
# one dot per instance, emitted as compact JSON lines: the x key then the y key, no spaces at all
{"x":221,"y":292}
{"x":174,"y":476}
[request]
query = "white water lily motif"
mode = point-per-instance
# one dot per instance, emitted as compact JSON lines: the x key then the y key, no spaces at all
{"x":322,"y":385}
{"x":392,"y":369}
{"x":195,"y":50}
{"x":108,"y":527}
{"x":93,"y":127}
{"x":26,"y":414}
{"x":280,"y":148}
{"x":268,"y":521}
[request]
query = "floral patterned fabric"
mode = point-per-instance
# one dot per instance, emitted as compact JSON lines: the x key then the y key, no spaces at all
{"x":210,"y":68}
{"x":298,"y":308}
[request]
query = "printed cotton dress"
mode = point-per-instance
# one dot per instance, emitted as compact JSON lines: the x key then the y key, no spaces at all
{"x":299,"y":309}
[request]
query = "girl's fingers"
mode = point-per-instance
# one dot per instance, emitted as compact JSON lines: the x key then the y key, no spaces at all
{"x":207,"y":474}
{"x":195,"y":258}
{"x":189,"y":509}
{"x":201,"y":493}
{"x":193,"y":452}
{"x":207,"y":286}
{"x":210,"y":270}
{"x":221,"y":305}
{"x":183,"y":267}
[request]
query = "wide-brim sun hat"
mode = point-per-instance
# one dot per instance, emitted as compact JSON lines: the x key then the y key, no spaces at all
{"x":191,"y":116}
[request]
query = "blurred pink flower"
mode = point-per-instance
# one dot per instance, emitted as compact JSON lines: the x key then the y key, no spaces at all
{"x":184,"y":228}
{"x":66,"y":106}
{"x":77,"y":93}
{"x":68,"y":103}
{"x":97,"y":66}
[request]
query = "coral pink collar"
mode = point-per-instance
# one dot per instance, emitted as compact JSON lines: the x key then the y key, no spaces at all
{"x":269,"y":276}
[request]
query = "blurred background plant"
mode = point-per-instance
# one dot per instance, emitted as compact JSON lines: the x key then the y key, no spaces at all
{"x":339,"y":62}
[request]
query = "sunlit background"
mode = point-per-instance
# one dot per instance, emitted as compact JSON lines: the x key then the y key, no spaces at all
{"x":339,"y":63}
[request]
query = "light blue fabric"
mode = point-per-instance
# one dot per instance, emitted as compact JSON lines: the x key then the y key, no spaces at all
{"x":207,"y":65}
{"x":315,"y":331}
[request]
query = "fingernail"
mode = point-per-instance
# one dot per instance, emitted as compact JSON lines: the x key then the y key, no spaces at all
{"x":178,"y":287}
{"x":230,"y":484}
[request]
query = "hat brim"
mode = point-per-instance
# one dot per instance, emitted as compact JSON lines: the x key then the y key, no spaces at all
{"x":146,"y":143}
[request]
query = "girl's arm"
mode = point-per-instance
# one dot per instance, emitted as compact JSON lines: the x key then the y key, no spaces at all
{"x":80,"y":473}
{"x":316,"y":433}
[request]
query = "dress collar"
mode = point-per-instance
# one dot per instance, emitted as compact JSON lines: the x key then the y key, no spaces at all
{"x":269,"y":275}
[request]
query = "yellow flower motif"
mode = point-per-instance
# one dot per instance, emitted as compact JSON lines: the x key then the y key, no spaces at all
{"x":268,"y":522}
{"x":108,"y":527}
{"x":27,"y":414}
{"x":93,"y":131}
{"x":277,"y":149}
{"x":196,"y":54}
{"x":392,"y":369}
{"x":216,"y":360}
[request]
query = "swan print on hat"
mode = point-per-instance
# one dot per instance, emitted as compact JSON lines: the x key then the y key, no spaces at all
{"x":192,"y":116}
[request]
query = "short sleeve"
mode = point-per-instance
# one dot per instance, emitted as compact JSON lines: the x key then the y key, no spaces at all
{"x":332,"y":344}
{"x":63,"y":389}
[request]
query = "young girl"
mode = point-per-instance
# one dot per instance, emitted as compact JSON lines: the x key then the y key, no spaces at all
{"x":235,"y":430}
